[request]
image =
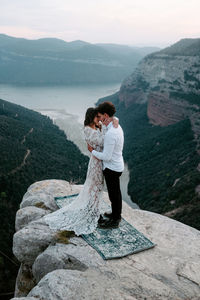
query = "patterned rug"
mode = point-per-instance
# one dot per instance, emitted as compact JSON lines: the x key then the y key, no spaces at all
{"x":113,"y":243}
{"x":65,"y":200}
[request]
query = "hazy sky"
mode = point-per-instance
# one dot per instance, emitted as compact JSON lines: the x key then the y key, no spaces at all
{"x":132,"y":22}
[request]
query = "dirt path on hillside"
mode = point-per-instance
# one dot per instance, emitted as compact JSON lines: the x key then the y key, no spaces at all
{"x":24,"y":138}
{"x":28,"y":152}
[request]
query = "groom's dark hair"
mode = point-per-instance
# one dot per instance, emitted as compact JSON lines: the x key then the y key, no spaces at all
{"x":106,"y":107}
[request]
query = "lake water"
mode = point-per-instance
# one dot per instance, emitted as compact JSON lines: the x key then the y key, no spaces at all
{"x":72,"y":99}
{"x":66,"y":105}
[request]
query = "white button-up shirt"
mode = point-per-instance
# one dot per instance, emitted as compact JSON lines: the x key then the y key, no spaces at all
{"x":112,"y":152}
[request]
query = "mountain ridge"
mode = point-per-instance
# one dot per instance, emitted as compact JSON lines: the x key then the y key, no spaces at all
{"x":186,"y":47}
{"x":54,"y":61}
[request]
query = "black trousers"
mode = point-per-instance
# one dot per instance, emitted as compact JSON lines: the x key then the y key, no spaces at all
{"x":114,"y":192}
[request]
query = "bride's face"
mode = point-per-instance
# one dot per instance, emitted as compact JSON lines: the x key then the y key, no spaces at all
{"x":96,"y":120}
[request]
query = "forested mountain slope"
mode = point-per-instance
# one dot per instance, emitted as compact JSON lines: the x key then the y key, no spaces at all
{"x":32,"y":148}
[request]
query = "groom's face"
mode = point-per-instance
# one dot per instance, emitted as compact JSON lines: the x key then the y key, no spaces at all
{"x":103,"y":118}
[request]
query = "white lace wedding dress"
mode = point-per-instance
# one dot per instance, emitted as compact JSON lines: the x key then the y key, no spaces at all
{"x":81,"y":215}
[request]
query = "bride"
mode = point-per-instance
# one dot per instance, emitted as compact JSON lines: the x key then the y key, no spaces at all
{"x":82,"y":215}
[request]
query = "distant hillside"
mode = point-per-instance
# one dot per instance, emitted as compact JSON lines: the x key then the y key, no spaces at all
{"x":32,"y":148}
{"x":123,"y":49}
{"x":54,"y":61}
{"x":185,"y":47}
{"x":159,"y":109}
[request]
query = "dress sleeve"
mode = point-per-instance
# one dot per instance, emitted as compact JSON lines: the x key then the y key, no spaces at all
{"x":109,"y":144}
{"x":94,"y":138}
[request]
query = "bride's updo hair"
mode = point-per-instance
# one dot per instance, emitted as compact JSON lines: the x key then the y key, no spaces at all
{"x":90,"y":114}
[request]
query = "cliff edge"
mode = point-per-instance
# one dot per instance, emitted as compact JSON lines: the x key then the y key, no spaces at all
{"x":169,"y":82}
{"x":158,"y":106}
{"x":56,"y":268}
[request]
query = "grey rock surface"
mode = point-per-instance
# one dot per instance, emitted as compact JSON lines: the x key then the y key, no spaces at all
{"x":25,"y":281}
{"x":74,"y":285}
{"x":190,"y":271}
{"x":39,"y":199}
{"x":31,"y":240}
{"x":43,"y":192}
{"x":27,"y":214}
{"x":168,"y":271}
{"x":24,"y":298}
{"x":53,"y":258}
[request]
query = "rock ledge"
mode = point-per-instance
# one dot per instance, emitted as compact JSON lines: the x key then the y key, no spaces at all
{"x":51,"y":270}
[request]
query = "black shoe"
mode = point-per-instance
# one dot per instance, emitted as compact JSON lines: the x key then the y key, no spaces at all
{"x":101,"y":220}
{"x":108,"y":215}
{"x":109,"y":224}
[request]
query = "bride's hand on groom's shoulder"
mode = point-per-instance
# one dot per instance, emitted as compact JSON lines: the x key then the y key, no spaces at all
{"x":115,"y":122}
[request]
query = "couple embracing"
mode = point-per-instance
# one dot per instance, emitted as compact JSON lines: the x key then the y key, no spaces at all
{"x":105,"y":140}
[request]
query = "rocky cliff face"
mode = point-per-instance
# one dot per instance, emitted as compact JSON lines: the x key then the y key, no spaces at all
{"x":159,"y":110}
{"x":61,"y":269}
{"x":169,"y":81}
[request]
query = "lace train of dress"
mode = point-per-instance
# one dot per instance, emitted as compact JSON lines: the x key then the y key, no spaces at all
{"x":81,"y":215}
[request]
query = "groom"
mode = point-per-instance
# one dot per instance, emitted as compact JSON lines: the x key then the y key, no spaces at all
{"x":113,"y":164}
